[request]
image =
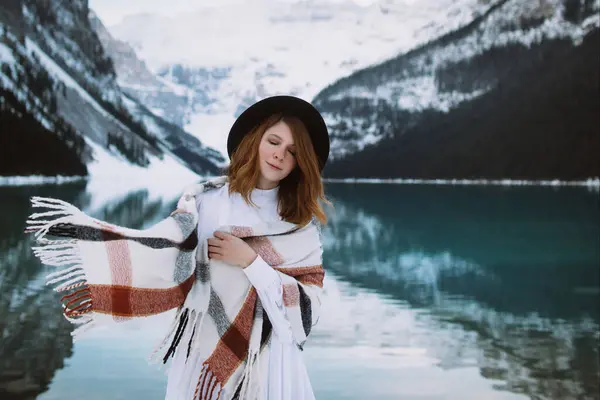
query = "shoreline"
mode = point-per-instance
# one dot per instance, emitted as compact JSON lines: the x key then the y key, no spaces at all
{"x":590,"y":183}
{"x":34,"y":180}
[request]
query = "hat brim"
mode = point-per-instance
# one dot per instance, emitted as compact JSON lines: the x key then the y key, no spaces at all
{"x":287,"y":106}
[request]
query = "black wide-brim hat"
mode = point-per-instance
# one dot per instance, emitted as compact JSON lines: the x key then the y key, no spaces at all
{"x":286,"y":106}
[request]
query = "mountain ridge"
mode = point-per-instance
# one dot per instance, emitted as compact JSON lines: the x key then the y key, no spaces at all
{"x":52,"y":46}
{"x":432,"y":113}
{"x":269,"y":48}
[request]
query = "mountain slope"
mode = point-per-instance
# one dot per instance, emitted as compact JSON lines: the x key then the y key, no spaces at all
{"x":55,"y":71}
{"x":135,"y":79}
{"x":514,"y":95}
{"x":57,"y":152}
{"x":166,"y":99}
{"x":227,"y":56}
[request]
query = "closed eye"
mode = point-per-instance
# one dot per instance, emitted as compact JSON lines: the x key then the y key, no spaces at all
{"x":276,"y":143}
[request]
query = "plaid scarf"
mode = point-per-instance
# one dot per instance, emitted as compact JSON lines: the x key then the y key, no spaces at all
{"x":110,"y":274}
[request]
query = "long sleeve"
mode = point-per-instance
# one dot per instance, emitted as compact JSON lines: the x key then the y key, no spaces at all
{"x":287,"y":376}
{"x":268,"y":285}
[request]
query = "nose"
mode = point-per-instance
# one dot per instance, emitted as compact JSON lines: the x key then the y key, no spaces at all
{"x":279,"y":154}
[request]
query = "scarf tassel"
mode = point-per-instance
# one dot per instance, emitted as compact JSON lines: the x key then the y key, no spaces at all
{"x":61,"y":211}
{"x":208,"y":387}
{"x":160,"y":349}
{"x":252,"y":380}
{"x":76,"y":301}
{"x":176,"y":338}
{"x":183,"y":322}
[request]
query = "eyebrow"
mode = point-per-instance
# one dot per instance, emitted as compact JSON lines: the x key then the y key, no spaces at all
{"x":279,"y":137}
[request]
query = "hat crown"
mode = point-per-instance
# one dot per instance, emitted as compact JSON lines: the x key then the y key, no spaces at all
{"x":287,"y":106}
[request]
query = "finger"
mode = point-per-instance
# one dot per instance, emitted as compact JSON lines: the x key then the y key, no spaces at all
{"x":215,"y":249}
{"x":215,"y":256}
{"x":221,"y":235}
{"x":214,"y":242}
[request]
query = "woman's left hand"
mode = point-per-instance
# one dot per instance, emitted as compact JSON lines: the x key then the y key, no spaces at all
{"x":230,"y":249}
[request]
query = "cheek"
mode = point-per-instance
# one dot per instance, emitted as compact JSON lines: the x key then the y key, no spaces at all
{"x":261,"y":152}
{"x":290,"y":164}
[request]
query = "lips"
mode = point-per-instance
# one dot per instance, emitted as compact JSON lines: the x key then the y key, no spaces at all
{"x":274,"y":167}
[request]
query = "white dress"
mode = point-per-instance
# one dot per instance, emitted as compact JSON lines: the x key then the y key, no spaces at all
{"x":285,"y":373}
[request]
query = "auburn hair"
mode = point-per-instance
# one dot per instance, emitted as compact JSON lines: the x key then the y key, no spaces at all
{"x":301,"y":192}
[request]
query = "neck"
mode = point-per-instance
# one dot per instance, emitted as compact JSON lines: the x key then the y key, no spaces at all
{"x":264,"y":184}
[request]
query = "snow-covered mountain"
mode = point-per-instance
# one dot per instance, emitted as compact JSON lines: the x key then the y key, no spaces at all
{"x":164,"y":97}
{"x":513,"y":94}
{"x":218,"y":59}
{"x":62,"y":109}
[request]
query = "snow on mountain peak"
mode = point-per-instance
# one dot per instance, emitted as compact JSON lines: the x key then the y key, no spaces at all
{"x":273,"y":47}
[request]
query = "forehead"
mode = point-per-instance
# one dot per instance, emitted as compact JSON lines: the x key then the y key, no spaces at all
{"x":281,"y":130}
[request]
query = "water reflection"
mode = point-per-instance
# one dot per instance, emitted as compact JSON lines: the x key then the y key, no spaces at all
{"x":423,"y":282}
{"x":504,"y":279}
{"x":36,"y":338}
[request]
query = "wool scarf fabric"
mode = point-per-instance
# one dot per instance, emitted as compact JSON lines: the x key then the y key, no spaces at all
{"x":109,"y":274}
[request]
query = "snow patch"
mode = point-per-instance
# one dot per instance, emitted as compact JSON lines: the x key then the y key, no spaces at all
{"x":415,"y":94}
{"x":420,"y":91}
{"x":211,"y":129}
{"x":6,"y":54}
{"x":304,"y":47}
{"x":55,"y":70}
{"x":109,"y":175}
{"x":176,"y":88}
{"x":105,"y":165}
{"x":7,"y":82}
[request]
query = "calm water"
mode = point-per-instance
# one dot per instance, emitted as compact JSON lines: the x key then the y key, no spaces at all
{"x":431,"y":293}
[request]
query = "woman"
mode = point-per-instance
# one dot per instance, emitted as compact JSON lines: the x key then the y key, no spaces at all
{"x":240,"y":260}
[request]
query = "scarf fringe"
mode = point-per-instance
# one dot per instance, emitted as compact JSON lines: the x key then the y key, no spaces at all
{"x":184,"y":321}
{"x":175,"y":335}
{"x":154,"y":356}
{"x":41,"y":227}
{"x":195,"y":344}
{"x":197,"y":323}
{"x":252,"y":379}
{"x":208,"y":387}
{"x":71,"y":279}
{"x":249,"y":385}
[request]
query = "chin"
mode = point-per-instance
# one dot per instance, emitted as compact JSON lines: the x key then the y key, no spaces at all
{"x":272,"y":176}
